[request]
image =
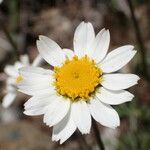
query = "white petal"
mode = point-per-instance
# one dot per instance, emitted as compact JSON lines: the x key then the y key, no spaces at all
{"x":114,"y":97}
{"x":104,"y":114}
{"x":37,"y":105}
{"x":36,"y":81}
{"x":119,"y":81}
{"x":68,"y":53}
{"x":56,"y":111}
{"x":11,"y":81}
{"x":117,"y":58}
{"x":35,"y":72}
{"x":100,"y":45}
{"x":11,"y":71}
{"x":64,"y":129}
{"x":51,"y":109}
{"x":38,"y":92}
{"x":35,"y":111}
{"x":36,"y":101}
{"x":83,"y":38}
{"x":1,"y":1}
{"x":10,"y":88}
{"x":18,"y":65}
{"x":50,"y":51}
{"x":81,"y":116}
{"x":37,"y":61}
{"x":25,"y":60}
{"x":8,"y":99}
{"x":36,"y":87}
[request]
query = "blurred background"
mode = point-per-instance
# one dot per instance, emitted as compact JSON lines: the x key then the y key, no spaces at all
{"x":21,"y":21}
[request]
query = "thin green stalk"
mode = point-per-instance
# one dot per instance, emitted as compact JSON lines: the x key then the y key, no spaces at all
{"x":11,"y":41}
{"x":98,"y":136}
{"x":140,"y":43}
{"x":8,"y":35}
{"x":84,"y":143}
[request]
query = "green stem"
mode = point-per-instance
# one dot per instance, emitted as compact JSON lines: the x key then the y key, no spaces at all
{"x":97,"y":136}
{"x":9,"y":36}
{"x":11,"y":41}
{"x":82,"y":141}
{"x":139,"y":40}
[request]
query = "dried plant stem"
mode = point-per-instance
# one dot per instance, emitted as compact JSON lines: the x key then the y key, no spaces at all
{"x":97,"y":136}
{"x":11,"y":41}
{"x":9,"y":36}
{"x":82,"y":141}
{"x":139,"y":40}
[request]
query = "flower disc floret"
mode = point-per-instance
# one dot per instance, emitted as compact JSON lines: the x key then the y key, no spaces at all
{"x":77,"y":78}
{"x":19,"y":79}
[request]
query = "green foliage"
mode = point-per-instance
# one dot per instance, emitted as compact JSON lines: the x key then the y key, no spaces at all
{"x":138,"y":138}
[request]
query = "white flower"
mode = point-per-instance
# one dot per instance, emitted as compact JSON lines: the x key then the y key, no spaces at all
{"x":14,"y":78}
{"x":79,"y":86}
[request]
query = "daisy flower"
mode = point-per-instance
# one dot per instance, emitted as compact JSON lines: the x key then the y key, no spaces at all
{"x":14,"y":78}
{"x":81,"y":85}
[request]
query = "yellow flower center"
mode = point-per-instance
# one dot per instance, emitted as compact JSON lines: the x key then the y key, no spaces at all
{"x":19,"y":79}
{"x":77,"y":78}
